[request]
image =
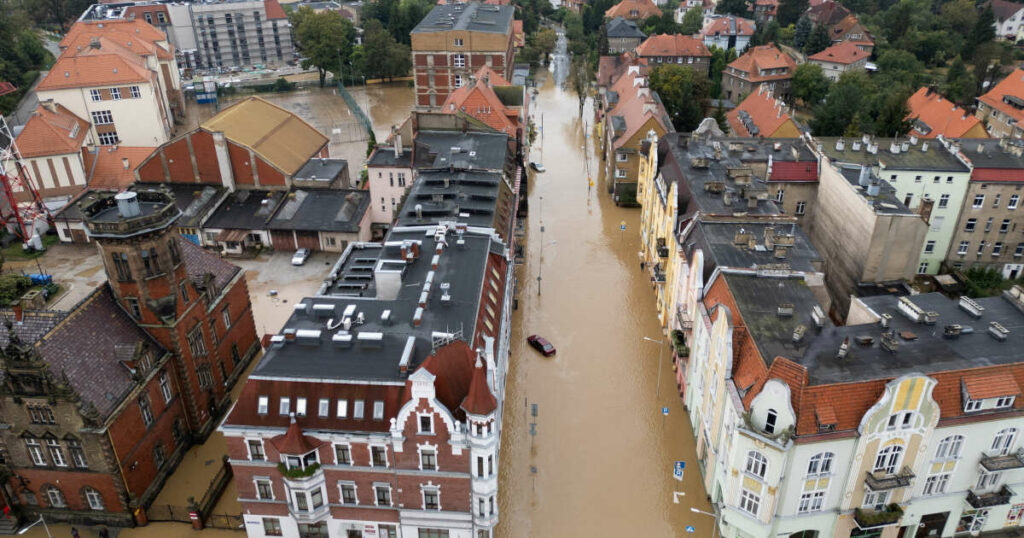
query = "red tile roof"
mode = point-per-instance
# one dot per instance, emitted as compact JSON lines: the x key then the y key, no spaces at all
{"x":723,"y":26}
{"x":765,"y":113}
{"x":453,"y":367}
{"x":52,"y":132}
{"x":293,"y":442}
{"x":672,"y":45}
{"x":794,"y":171}
{"x":1010,"y":89}
{"x":841,"y":28}
{"x":636,"y":106}
{"x":274,"y":10}
{"x":481,"y":102}
{"x":135,"y":35}
{"x":828,"y":12}
{"x":625,"y":8}
{"x":480,"y":400}
{"x":106,"y":168}
{"x":764,"y":57}
{"x":108,"y":65}
{"x":998,"y":174}
{"x":981,"y":387}
{"x":845,"y":52}
{"x":941,"y":116}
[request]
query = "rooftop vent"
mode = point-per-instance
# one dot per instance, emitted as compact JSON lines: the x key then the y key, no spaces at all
{"x":342,"y":338}
{"x":385,"y":317}
{"x":128,"y":204}
{"x":910,"y":310}
{"x":785,"y":310}
{"x":403,"y":364}
{"x":844,"y":348}
{"x":971,"y":307}
{"x":952,"y":331}
{"x":308,"y":336}
{"x":798,"y":334}
{"x":323,"y":310}
{"x":998,"y":331}
{"x":889,"y":342}
{"x":818,"y":315}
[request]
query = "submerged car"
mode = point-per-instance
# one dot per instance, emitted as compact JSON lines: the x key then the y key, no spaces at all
{"x":537,"y":166}
{"x":541,"y":344}
{"x":300,"y":256}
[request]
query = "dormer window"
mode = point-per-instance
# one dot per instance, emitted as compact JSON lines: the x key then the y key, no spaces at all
{"x":426,"y":425}
{"x":770,"y":420}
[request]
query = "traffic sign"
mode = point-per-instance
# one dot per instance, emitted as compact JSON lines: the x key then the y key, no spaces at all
{"x":622,"y":226}
{"x":664,"y":411}
{"x":677,"y":470}
{"x":690,"y":529}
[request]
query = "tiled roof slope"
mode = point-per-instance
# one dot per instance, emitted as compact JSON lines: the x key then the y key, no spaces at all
{"x":672,"y":45}
{"x":49,"y":132}
{"x":1008,"y":96}
{"x":759,"y":114}
{"x":845,"y":52}
{"x":199,"y":262}
{"x":106,"y":65}
{"x":934,"y":115}
{"x":764,"y":57}
{"x":646,"y":8}
{"x":106,"y":168}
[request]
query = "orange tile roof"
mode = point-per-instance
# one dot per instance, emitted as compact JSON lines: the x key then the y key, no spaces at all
{"x":644,"y":9}
{"x":108,"y":65}
{"x":722,"y":26}
{"x":135,"y":34}
{"x":106,"y":168}
{"x":827,"y":12}
{"x":848,"y":23}
{"x":479,"y":101}
{"x":1010,"y":88}
{"x":518,"y":34}
{"x":293,"y":442}
{"x":274,"y":10}
{"x":764,"y":57}
{"x":50,"y":132}
{"x":636,"y":105}
{"x":672,"y":45}
{"x":764,"y":111}
{"x":941,"y":116}
{"x":492,"y":75}
{"x":846,"y":52}
{"x":981,"y":387}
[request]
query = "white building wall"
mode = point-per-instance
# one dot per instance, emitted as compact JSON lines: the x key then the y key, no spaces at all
{"x":386,"y":191}
{"x":138,"y":121}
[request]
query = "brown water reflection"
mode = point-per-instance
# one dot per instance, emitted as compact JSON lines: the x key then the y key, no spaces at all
{"x":603,"y":452}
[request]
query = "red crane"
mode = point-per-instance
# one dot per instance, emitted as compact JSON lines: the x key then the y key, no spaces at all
{"x":14,"y":177}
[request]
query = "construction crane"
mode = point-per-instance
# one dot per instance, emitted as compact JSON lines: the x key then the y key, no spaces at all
{"x":19,"y":218}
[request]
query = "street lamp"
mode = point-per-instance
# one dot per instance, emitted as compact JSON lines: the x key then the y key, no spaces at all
{"x":38,"y":521}
{"x":696,"y":511}
{"x":660,"y":361}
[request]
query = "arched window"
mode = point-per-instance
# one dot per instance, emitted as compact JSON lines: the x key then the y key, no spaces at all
{"x":54,"y":497}
{"x":950,"y":448}
{"x":769,"y":421}
{"x":1004,"y":440}
{"x":820,"y":463}
{"x":757,"y":464}
{"x":92,"y":498}
{"x":888,"y":459}
{"x":804,"y":534}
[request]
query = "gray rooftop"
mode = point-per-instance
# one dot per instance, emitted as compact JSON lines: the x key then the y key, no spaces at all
{"x":916,"y":156}
{"x":246,"y":210}
{"x":727,"y":244}
{"x":470,"y":197}
{"x":473,"y":17}
{"x":194,"y":201}
{"x":885,"y":202}
{"x":385,"y":156}
{"x":993,"y":152}
{"x":471,"y":150}
{"x":327,"y":210}
{"x":318,"y":169}
{"x":623,"y":28}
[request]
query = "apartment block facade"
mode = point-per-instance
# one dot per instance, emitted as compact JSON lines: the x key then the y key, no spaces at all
{"x":239,"y":33}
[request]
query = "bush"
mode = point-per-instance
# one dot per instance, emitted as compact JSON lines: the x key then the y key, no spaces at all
{"x":12,"y":287}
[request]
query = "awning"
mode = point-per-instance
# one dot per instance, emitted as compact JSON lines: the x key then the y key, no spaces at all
{"x":231,"y":236}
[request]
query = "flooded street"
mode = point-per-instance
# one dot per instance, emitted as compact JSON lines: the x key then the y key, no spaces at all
{"x":603,"y":452}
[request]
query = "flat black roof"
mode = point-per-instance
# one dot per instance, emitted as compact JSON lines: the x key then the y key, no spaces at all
{"x":916,"y":157}
{"x":385,"y":156}
{"x":472,"y":150}
{"x":990,"y":153}
{"x":328,"y":210}
{"x":318,"y":169}
{"x":885,"y":202}
{"x":246,"y":209}
{"x":718,"y":240}
{"x":470,"y":197}
{"x":194,"y":201}
{"x":472,"y":16}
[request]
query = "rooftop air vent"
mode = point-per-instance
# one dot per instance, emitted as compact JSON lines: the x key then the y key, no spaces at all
{"x":971,"y":307}
{"x":998,"y":331}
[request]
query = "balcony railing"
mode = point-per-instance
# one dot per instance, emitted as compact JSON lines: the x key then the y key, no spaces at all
{"x":683,"y":318}
{"x":984,"y":500}
{"x":993,"y":463}
{"x":883,"y":481}
{"x":869,"y":519}
{"x":662,"y":248}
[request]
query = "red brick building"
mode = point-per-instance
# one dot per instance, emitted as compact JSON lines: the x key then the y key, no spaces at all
{"x":454,"y":41}
{"x":104,"y":400}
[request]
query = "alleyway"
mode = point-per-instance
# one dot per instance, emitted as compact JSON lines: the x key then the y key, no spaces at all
{"x":603,"y":452}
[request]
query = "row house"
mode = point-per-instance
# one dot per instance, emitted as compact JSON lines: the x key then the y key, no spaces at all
{"x":1002,"y":107}
{"x":883,"y":427}
{"x":122,"y":77}
{"x":103,"y":401}
{"x":763,"y":66}
{"x":675,"y":49}
{"x":927,"y":178}
{"x":377,"y":409}
{"x":454,"y":41}
{"x":933,"y":115}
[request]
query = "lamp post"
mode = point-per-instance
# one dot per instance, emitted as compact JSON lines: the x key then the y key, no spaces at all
{"x":38,"y":521}
{"x":696,"y":511}
{"x":660,"y":360}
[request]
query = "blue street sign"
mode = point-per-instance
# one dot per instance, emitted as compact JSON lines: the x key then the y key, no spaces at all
{"x":690,"y":529}
{"x":664,"y":411}
{"x":622,"y":227}
{"x":677,"y":470}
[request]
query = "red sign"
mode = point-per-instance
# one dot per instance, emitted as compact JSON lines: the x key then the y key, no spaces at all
{"x":194,"y":516}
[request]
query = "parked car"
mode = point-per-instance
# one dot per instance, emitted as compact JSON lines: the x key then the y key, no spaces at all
{"x":300,"y":256}
{"x":541,"y":344}
{"x":537,"y":166}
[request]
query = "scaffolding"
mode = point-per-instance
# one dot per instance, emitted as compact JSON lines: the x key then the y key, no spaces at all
{"x":18,"y":218}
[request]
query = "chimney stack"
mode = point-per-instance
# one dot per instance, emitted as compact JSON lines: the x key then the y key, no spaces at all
{"x":19,"y":313}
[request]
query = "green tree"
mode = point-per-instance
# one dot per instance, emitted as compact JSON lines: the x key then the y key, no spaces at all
{"x":802,"y":32}
{"x":693,"y":21}
{"x":961,"y":16}
{"x":818,"y":40}
{"x":852,"y":93}
{"x":984,"y":31}
{"x":385,"y":56}
{"x":581,"y":72}
{"x":900,"y":67}
{"x":544,"y":41}
{"x":732,"y":7}
{"x":790,"y":11}
{"x":809,"y":84}
{"x":960,"y":84}
{"x":683,"y":92}
{"x":893,"y":110}
{"x":325,"y":39}
{"x":853,"y":129}
{"x":719,"y":60}
{"x":660,"y":24}
{"x":720,"y":118}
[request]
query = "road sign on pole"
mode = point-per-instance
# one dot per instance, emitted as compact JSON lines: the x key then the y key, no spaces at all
{"x":622,"y":226}
{"x":677,"y":470}
{"x":664,"y":411}
{"x":690,"y":529}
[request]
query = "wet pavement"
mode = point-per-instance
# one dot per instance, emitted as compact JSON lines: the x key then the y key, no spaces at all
{"x":603,"y":452}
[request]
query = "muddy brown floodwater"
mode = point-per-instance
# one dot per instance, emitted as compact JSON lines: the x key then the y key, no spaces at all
{"x":603,"y":452}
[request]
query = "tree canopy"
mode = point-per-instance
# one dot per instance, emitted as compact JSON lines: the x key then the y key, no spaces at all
{"x":809,"y":84}
{"x":325,"y":40}
{"x":22,"y":54}
{"x":684,"y":92}
{"x":692,"y":22}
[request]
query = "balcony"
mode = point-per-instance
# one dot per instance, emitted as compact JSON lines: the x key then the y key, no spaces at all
{"x":657,"y":273}
{"x":1003,"y":462}
{"x":882,"y":481}
{"x":984,"y":500}
{"x":870,"y":519}
{"x":683,"y":318}
{"x":662,"y":248}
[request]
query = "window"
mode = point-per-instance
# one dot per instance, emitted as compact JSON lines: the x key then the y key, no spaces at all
{"x":917,"y":179}
{"x":300,"y":407}
{"x":929,"y":246}
{"x":55,"y":497}
{"x":936,"y":484}
{"x":272,"y":526}
{"x":145,"y":409}
{"x":150,"y":262}
{"x":876,"y":500}
{"x":93,"y":499}
{"x":158,"y":455}
{"x":888,"y":459}
{"x":901,"y":420}
{"x":165,"y":387}
{"x":56,"y":453}
{"x":944,"y":200}
{"x":262,"y":405}
{"x":459,"y":42}
{"x":426,"y":424}
{"x":811,"y":501}
{"x":620,"y":173}
{"x":971,"y":224}
{"x":382,"y":495}
{"x":378,"y":410}
{"x":342,"y":408}
{"x":35,"y":452}
{"x":1005,"y":226}
{"x":908,"y":199}
{"x":621,"y":157}
{"x":95,"y":95}
{"x":972,"y":405}
{"x":779,"y":195}
{"x":378,"y":456}
{"x":962,"y":248}
{"x":108,"y":138}
{"x":979,"y":201}
{"x":40,"y":414}
{"x":205,"y":377}
{"x":997,"y":249}
{"x":1003,"y":441}
{"x":263,"y":489}
{"x":750,"y":502}
{"x":458,"y":81}
{"x":102,"y":117}
{"x":988,"y":480}
{"x":134,"y":90}
{"x":1019,"y":251}
{"x":342,"y":454}
{"x":995,"y":201}
{"x":77,"y":454}
{"x":460,"y":60}
{"x":431,"y":499}
{"x":256,"y":450}
{"x":348,"y":493}
{"x":1005,"y":401}
{"x":769,"y":421}
{"x":225,"y":315}
{"x":284,"y":406}
{"x":1014,"y":199}
{"x":183,"y":289}
{"x":428,"y":460}
{"x":820,"y":464}
{"x":801,"y":207}
{"x":357,"y":411}
{"x":115,"y":94}
{"x":323,"y":408}
{"x":196,"y":344}
{"x":121,"y":266}
{"x":757,"y":464}
{"x":949,"y":448}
